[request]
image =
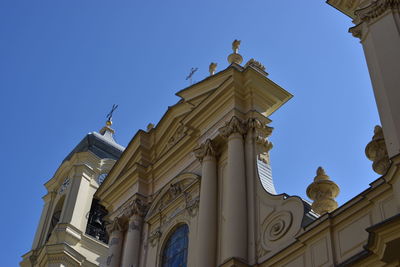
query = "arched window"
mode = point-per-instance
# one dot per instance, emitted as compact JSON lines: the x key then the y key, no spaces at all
{"x":175,"y":250}
{"x":96,"y":226}
{"x":55,"y":218}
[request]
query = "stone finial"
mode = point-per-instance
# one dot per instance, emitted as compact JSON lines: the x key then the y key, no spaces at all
{"x":235,"y":46}
{"x":323,"y":192}
{"x":235,"y":57}
{"x":212,"y":68}
{"x":376,"y":152}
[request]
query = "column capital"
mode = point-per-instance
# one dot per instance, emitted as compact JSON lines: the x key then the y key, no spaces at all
{"x":256,"y":124}
{"x":115,"y":226}
{"x":205,"y":149}
{"x":136,"y":207}
{"x":261,"y":133}
{"x":235,"y":125}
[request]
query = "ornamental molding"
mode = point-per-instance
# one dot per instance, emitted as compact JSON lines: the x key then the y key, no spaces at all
{"x":192,"y":204}
{"x":205,"y":149}
{"x":62,"y":259}
{"x":375,"y":9}
{"x":179,"y":134}
{"x":235,"y":125}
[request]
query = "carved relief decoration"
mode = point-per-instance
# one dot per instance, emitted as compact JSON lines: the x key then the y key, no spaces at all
{"x":181,"y":132}
{"x":178,"y":200}
{"x":192,"y":204}
{"x":274,"y":229}
{"x":178,"y":188}
{"x":154,"y":237}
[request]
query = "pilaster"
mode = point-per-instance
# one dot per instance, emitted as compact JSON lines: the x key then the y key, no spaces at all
{"x":256,"y":145}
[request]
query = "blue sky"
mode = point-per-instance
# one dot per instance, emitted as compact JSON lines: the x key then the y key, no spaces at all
{"x":64,"y":63}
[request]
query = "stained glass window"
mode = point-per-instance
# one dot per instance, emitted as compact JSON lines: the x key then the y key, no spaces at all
{"x":175,"y":250}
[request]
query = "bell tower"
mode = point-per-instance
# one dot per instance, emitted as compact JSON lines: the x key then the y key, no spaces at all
{"x":71,"y":230}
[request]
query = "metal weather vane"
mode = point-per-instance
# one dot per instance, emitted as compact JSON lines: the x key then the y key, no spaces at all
{"x":110,"y":114}
{"x":190,"y":76}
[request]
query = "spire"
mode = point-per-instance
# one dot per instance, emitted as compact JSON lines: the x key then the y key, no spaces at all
{"x":235,"y":57}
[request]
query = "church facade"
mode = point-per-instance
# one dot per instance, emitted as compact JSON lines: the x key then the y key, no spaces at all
{"x":197,"y":189}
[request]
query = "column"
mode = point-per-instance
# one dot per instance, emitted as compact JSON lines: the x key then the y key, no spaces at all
{"x":378,"y":27}
{"x":115,"y":244}
{"x":131,"y":252}
{"x":235,"y":232}
{"x":207,"y":224}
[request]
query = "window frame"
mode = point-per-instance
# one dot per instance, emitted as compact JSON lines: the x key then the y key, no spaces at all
{"x":167,"y":239}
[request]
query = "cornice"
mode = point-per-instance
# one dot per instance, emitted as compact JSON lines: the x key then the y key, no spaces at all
{"x":132,"y":148}
{"x":121,"y":185}
{"x":60,"y":253}
{"x":376,"y":9}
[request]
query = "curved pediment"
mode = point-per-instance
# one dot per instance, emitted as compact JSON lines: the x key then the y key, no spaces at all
{"x":176,"y":188}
